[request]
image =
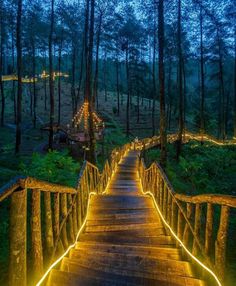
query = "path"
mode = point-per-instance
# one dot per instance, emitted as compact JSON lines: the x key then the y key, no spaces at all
{"x":124,"y":242}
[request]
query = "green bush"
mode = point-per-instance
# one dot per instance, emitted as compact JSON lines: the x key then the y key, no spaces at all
{"x":203,"y":168}
{"x":55,"y":167}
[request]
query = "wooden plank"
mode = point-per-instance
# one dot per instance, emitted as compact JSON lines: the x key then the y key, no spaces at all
{"x":158,"y":251}
{"x":88,"y":276}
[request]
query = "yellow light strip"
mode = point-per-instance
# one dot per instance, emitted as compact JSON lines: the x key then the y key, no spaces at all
{"x":176,"y":237}
{"x":78,"y":234}
{"x":113,"y":172}
{"x":69,"y":248}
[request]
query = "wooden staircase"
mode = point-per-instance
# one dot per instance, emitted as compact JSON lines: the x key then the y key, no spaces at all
{"x":124,"y":241}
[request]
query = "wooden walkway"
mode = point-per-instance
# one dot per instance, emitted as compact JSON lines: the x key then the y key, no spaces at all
{"x":124,"y":241}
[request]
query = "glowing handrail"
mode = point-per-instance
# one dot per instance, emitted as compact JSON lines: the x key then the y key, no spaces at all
{"x":167,"y":197}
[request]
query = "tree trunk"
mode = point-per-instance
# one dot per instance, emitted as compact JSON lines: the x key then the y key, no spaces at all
{"x":180,"y":84}
{"x":104,"y":75}
{"x":34,"y":85}
{"x":59,"y":83}
{"x":235,"y":81}
{"x":1,"y":68}
{"x":202,"y":108}
{"x":19,"y":72}
{"x":128,"y":92}
{"x":154,"y":79}
{"x":51,"y":78}
{"x":73,"y":95}
{"x":169,"y":95}
{"x":221,"y":122}
{"x":81,"y":71}
{"x":117,"y":85}
{"x":95,"y":85}
{"x":45,"y":84}
{"x":13,"y":69}
{"x":162,"y":82}
{"x":88,"y":91}
{"x":184,"y":94}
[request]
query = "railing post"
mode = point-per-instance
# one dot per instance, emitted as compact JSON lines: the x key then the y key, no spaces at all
{"x":64,"y":214}
{"x":161,"y":194}
{"x":48,"y":224}
{"x":56,"y":224}
{"x":180,"y":225}
{"x":197,"y":227}
{"x":209,"y":227}
{"x":70,"y":221}
{"x":36,"y":235}
{"x":220,"y":244}
{"x":173,"y":214}
{"x":18,"y":239}
{"x":165,"y":195}
{"x":74,"y":215}
{"x":169,"y":201}
{"x":186,"y":235}
{"x":79,"y":208}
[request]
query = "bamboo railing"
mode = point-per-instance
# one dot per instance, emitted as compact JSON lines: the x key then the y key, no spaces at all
{"x":56,"y":214}
{"x":200,"y":222}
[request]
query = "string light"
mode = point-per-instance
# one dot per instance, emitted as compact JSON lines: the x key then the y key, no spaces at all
{"x":79,"y":232}
{"x":70,"y":247}
{"x":83,"y":115}
{"x":176,"y":237}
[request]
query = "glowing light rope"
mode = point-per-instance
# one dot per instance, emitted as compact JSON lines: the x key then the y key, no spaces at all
{"x":79,"y":232}
{"x":69,"y":248}
{"x":176,"y":237}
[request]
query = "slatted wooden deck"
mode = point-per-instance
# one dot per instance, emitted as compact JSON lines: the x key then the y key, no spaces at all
{"x":124,"y":241}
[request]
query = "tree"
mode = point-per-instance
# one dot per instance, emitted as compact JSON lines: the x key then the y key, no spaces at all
{"x":1,"y":61}
{"x":202,"y":108}
{"x":88,"y":88}
{"x":51,"y":78}
{"x":180,"y":81}
{"x":162,"y":82}
{"x":19,"y":72}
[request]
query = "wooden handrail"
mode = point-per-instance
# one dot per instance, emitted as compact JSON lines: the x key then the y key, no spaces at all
{"x":223,"y":200}
{"x":63,"y":210}
{"x":24,"y":182}
{"x":186,"y":215}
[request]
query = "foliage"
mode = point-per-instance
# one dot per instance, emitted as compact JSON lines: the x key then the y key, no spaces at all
{"x":201,"y":169}
{"x":55,"y":167}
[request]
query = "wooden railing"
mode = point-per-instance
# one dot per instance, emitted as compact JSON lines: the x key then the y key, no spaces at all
{"x":187,"y":136}
{"x":200,"y":222}
{"x":44,"y":218}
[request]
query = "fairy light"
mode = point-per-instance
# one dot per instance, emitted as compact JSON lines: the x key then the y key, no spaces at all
{"x":81,"y":228}
{"x":70,"y":247}
{"x":83,"y":114}
{"x":176,"y":237}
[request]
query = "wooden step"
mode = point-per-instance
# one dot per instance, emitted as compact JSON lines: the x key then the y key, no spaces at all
{"x":134,"y":229}
{"x":131,"y":262}
{"x":89,"y":277}
{"x":121,"y":213}
{"x":162,"y":277}
{"x":151,"y":251}
{"x":126,"y":220}
{"x":111,"y":202}
{"x":128,"y":238}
